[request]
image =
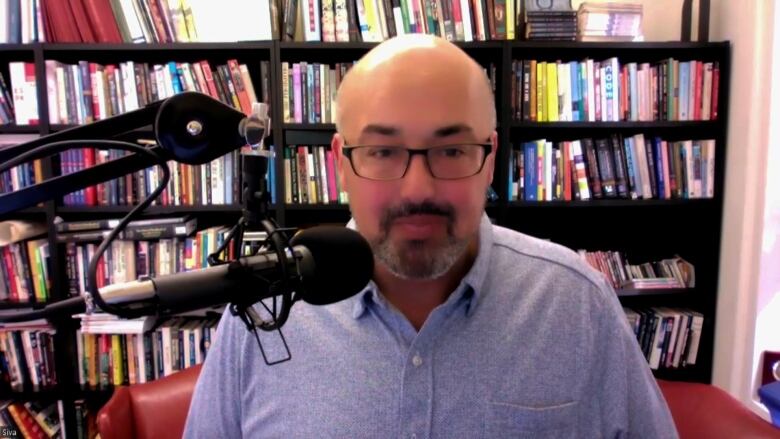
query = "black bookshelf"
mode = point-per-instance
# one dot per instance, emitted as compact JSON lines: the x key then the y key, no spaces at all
{"x":644,"y":229}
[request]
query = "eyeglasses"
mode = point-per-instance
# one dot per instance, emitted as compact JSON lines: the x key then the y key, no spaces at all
{"x":445,"y":162}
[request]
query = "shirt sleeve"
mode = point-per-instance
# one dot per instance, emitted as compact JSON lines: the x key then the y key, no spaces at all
{"x":631,"y":403}
{"x":215,"y":410}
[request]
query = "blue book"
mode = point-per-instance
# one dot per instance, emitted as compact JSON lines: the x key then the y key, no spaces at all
{"x":511,"y":176}
{"x":659,"y":168}
{"x":634,"y":177}
{"x":177,"y":88}
{"x":684,"y":92}
{"x":228,"y":160}
{"x":575,"y":91}
{"x":529,"y":156}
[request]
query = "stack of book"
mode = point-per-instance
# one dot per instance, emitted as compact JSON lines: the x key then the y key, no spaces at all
{"x":674,"y":272}
{"x":551,"y":25}
{"x":610,"y":21}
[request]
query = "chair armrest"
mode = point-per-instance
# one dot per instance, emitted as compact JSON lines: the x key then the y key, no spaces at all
{"x":701,"y":410}
{"x":115,"y":419}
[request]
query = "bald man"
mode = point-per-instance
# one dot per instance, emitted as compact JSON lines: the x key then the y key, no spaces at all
{"x":467,"y":330}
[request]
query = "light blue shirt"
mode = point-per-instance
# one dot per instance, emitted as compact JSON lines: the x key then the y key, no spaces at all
{"x":532,"y":343}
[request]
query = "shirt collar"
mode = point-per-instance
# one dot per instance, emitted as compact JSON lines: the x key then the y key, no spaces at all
{"x":470,"y":288}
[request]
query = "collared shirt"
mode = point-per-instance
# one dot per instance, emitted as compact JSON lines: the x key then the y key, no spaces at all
{"x":532,"y":343}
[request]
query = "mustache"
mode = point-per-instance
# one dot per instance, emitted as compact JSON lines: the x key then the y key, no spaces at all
{"x":424,"y":208}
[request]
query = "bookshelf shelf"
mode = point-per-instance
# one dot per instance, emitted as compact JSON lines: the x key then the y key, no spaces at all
{"x":6,"y":304}
{"x":20,"y":129}
{"x":31,"y":395}
{"x":316,"y":207}
{"x":626,"y":292}
{"x":309,"y":127}
{"x":621,"y":203}
{"x":151,"y":210}
{"x":147,"y":47}
{"x":683,"y":125}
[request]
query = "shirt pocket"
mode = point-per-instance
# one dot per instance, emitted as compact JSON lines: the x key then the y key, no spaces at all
{"x":508,"y":420}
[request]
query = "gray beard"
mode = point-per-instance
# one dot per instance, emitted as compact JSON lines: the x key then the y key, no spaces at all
{"x":413,"y":260}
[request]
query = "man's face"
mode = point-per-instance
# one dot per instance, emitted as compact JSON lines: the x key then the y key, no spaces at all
{"x":418,"y":225}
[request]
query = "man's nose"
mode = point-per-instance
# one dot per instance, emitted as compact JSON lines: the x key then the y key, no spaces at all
{"x":418,"y":183}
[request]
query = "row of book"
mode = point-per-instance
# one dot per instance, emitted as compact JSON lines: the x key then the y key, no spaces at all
{"x":613,"y":167}
{"x":23,"y":175}
{"x":378,"y":20}
{"x":31,"y":419}
{"x":116,"y":21}
{"x":27,"y":356}
{"x":309,"y":90}
{"x":551,"y":25}
{"x":7,"y":114}
{"x":25,"y":271}
{"x":310,"y":176}
{"x":667,"y":273}
{"x":115,"y":352}
{"x":157,"y":250}
{"x":608,"y":91}
{"x":669,"y":338}
{"x":215,"y":183}
{"x":87,"y":91}
{"x":609,"y":21}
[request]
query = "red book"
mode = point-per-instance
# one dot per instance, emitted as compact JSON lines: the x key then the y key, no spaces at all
{"x":63,"y":24}
{"x":715,"y":87}
{"x":697,"y":90}
{"x":103,"y":21}
{"x":7,"y":259}
{"x":90,"y":193}
{"x":566,"y":171}
{"x":209,"y":77}
{"x":83,"y":27}
{"x":243,"y":95}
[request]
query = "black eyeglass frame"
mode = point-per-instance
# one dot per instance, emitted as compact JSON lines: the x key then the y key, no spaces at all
{"x":347,"y":151}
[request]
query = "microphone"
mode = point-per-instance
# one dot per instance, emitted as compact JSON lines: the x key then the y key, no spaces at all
{"x":328,"y":264}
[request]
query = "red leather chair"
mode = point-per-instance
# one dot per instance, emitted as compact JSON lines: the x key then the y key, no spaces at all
{"x":159,"y":409}
{"x":151,"y":410}
{"x":704,"y":411}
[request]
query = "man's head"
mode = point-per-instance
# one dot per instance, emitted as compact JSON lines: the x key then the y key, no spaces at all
{"x":416,"y":92}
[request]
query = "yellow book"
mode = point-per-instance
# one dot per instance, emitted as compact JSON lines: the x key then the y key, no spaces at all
{"x":116,"y":359}
{"x":541,"y":95}
{"x":510,"y":19}
{"x":552,"y":92}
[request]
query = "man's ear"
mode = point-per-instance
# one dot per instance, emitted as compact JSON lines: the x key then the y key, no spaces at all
{"x":490,"y":164}
{"x":337,"y":146}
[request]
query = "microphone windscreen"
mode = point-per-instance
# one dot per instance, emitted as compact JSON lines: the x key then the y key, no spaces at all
{"x":343,"y":263}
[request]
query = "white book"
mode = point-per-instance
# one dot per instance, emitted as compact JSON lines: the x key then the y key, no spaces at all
{"x":706,"y":92}
{"x":695,"y":338}
{"x":323,"y":174}
{"x":27,"y":14}
{"x":591,"y":92}
{"x":640,"y":155}
{"x":615,"y":89}
{"x":689,"y":183}
{"x":709,"y":190}
{"x":564,"y":92}
{"x":657,"y":342}
{"x":140,"y":354}
{"x":131,"y":20}
{"x":311,"y":19}
{"x":468,"y":32}
{"x":548,"y":155}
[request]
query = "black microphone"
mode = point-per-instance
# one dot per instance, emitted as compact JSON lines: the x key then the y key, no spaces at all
{"x":328,"y":264}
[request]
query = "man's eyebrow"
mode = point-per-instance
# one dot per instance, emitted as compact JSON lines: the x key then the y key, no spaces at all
{"x":383,"y":130}
{"x":451,"y":130}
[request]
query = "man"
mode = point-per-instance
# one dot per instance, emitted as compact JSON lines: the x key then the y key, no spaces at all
{"x":467,"y":330}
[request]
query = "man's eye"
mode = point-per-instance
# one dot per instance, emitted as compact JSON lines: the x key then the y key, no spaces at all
{"x":452,"y":152}
{"x":381,"y":153}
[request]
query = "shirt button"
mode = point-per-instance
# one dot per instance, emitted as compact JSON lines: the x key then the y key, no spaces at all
{"x":414,"y":436}
{"x":417,"y":360}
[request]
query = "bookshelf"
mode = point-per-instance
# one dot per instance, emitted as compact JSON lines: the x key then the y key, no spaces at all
{"x":649,"y":229}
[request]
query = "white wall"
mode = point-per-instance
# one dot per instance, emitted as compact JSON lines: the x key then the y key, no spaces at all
{"x":748,"y":25}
